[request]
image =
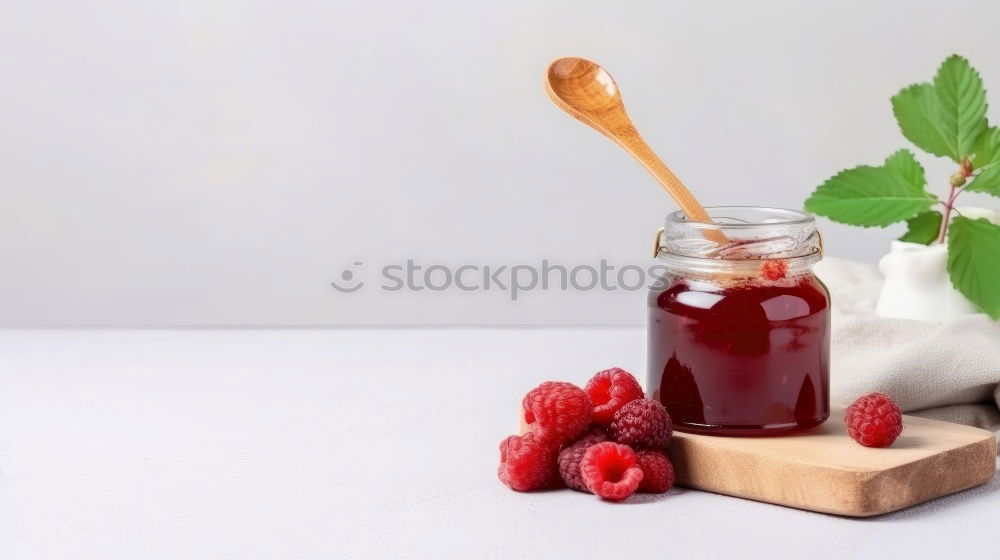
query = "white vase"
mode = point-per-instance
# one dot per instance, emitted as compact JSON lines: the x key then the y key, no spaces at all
{"x":917,"y":285}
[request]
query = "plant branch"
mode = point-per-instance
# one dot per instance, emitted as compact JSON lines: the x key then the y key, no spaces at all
{"x":943,"y":231}
{"x":957,"y":184}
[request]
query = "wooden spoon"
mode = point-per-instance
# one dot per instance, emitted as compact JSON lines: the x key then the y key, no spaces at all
{"x":588,"y":93}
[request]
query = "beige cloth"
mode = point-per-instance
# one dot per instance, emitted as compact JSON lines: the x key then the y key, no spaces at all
{"x":947,"y":371}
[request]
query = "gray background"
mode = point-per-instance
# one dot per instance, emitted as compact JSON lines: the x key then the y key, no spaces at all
{"x":219,"y":163}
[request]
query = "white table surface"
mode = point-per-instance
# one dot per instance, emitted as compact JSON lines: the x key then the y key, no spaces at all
{"x":359,"y":444}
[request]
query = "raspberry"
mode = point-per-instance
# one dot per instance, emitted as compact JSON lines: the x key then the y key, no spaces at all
{"x":611,"y":470}
{"x":527,"y":463}
{"x":572,"y":454}
{"x":610,"y":390}
{"x":642,"y":423}
{"x":774,"y":270}
{"x":874,"y":420}
{"x":657,"y":471}
{"x":557,"y":412}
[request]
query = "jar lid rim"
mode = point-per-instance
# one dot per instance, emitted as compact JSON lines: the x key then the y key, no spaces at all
{"x":790,"y":217}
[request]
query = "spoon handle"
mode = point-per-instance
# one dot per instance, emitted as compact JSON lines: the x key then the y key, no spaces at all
{"x":632,"y":142}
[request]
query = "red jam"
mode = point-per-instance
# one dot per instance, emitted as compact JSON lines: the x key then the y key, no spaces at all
{"x":750,"y":359}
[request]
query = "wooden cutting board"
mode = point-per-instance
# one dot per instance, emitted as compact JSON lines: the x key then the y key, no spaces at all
{"x":827,"y":471}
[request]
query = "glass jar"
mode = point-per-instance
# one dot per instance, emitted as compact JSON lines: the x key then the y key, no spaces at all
{"x":739,"y":326}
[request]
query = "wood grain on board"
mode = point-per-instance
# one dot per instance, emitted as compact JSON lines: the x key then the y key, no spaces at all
{"x":829,"y":472}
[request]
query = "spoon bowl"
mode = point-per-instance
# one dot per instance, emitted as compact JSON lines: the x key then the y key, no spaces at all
{"x":582,"y":85}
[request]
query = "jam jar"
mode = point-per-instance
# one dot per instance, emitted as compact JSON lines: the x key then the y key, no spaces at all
{"x":739,"y":326}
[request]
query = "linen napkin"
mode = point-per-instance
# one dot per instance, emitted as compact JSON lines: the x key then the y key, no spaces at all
{"x":946,"y":371}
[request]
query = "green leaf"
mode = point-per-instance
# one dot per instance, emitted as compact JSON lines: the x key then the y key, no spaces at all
{"x":961,"y":104}
{"x":874,"y":196}
{"x":947,"y":117}
{"x":923,"y":228}
{"x":974,"y":262}
{"x":987,"y":181}
{"x":904,"y":164}
{"x":916,"y":113}
{"x":987,"y":161}
{"x":987,"y":148}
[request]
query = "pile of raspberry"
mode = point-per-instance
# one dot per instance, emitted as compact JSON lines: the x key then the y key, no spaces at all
{"x":605,"y":439}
